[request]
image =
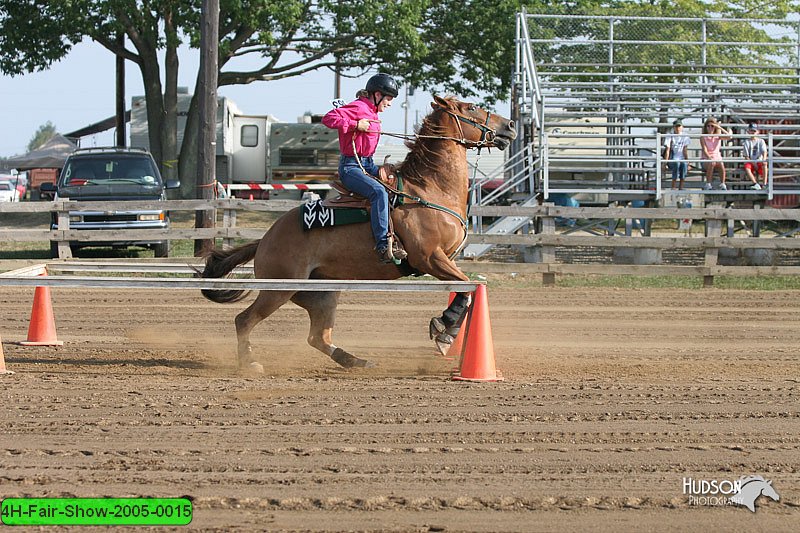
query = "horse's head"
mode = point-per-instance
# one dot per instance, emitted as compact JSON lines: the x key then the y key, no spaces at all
{"x":475,"y":126}
{"x":769,"y":491}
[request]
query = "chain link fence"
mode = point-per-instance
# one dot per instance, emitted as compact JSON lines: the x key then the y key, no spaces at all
{"x":672,"y":49}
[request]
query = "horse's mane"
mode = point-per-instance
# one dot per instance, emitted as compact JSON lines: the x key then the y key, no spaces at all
{"x":421,"y":158}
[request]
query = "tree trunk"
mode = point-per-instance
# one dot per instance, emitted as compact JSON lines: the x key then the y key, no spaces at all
{"x":169,"y":131}
{"x":187,"y":165}
{"x":154,"y":100}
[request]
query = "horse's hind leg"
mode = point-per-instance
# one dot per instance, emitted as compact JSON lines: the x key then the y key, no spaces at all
{"x":265,"y":304}
{"x":321,"y":307}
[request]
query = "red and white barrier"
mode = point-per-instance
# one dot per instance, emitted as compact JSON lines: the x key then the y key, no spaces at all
{"x":278,"y":187}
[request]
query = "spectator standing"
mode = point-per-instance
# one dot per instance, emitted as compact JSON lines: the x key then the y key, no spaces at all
{"x":754,"y":152}
{"x":710,"y":144}
{"x":676,"y":152}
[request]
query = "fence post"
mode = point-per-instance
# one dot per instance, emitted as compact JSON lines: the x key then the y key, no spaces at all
{"x":64,"y":251}
{"x":713,"y":228}
{"x":548,"y":227}
{"x":228,"y":222}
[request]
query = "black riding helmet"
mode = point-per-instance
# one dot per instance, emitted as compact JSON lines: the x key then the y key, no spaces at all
{"x":381,"y":83}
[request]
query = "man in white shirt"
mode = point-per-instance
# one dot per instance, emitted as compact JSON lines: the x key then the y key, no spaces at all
{"x":754,"y":152}
{"x":676,"y":152}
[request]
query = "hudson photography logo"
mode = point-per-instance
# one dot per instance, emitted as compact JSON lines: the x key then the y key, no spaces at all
{"x":743,"y":491}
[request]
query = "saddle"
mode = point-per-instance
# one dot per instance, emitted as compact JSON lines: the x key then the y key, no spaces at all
{"x":387,"y":173}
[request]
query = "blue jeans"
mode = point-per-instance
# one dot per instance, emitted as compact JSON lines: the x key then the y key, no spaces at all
{"x":678,"y":169}
{"x":356,"y":181}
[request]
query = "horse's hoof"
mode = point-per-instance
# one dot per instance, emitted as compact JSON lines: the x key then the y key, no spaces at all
{"x":349,"y":360}
{"x":435,"y":327}
{"x":443,"y":342}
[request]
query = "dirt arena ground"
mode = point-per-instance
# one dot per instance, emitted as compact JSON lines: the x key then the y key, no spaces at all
{"x":612,"y":398}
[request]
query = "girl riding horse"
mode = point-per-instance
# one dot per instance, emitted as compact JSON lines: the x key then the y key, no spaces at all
{"x":359,"y":132}
{"x":431,"y":223}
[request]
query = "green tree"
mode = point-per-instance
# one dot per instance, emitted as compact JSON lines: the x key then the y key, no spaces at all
{"x":45,"y":132}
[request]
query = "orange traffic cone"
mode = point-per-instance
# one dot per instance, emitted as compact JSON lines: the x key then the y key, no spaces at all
{"x":477,"y":364}
{"x":42,"y":329}
{"x":3,"y":361}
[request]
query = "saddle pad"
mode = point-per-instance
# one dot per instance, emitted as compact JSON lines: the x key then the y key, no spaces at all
{"x":315,"y":215}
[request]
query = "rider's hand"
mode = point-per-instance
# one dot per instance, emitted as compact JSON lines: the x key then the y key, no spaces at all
{"x":363,"y":125}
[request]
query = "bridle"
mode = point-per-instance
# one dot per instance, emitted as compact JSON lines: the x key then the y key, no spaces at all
{"x":487,"y":134}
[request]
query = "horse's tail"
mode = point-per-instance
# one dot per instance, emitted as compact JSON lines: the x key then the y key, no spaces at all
{"x":220,"y":263}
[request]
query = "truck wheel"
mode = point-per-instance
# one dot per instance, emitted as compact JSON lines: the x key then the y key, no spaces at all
{"x":161,"y":249}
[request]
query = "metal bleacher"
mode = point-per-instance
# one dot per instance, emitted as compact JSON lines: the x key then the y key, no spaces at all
{"x":594,"y":95}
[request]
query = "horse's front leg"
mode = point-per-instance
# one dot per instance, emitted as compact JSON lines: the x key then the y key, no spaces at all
{"x":444,"y":329}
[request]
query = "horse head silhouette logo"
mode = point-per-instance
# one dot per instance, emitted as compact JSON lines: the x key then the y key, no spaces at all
{"x":751,"y":488}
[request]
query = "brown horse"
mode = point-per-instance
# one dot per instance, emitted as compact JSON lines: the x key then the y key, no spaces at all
{"x":432,"y":231}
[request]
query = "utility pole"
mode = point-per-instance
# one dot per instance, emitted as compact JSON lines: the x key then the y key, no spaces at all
{"x":120,"y":99}
{"x":337,"y":82}
{"x":206,"y":142}
{"x":404,"y":105}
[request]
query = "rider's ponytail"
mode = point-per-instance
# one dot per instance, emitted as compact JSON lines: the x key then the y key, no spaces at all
{"x":362,"y":93}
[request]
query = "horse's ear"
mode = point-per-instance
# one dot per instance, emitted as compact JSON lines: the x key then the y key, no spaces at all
{"x":438,"y":102}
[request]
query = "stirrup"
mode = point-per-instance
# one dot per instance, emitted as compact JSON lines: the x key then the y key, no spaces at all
{"x":397,"y":251}
{"x":386,"y":256}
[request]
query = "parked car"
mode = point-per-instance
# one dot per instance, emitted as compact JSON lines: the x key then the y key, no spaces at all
{"x":20,"y":181}
{"x":113,"y":174}
{"x":8,"y":193}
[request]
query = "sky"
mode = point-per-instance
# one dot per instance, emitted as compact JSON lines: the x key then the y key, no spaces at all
{"x":79,"y":90}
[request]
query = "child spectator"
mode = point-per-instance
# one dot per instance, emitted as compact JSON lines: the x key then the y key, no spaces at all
{"x":754,"y":151}
{"x":676,"y":146}
{"x":710,"y":143}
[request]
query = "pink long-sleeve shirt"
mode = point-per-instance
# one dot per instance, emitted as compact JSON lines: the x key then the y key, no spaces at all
{"x":345,"y":119}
